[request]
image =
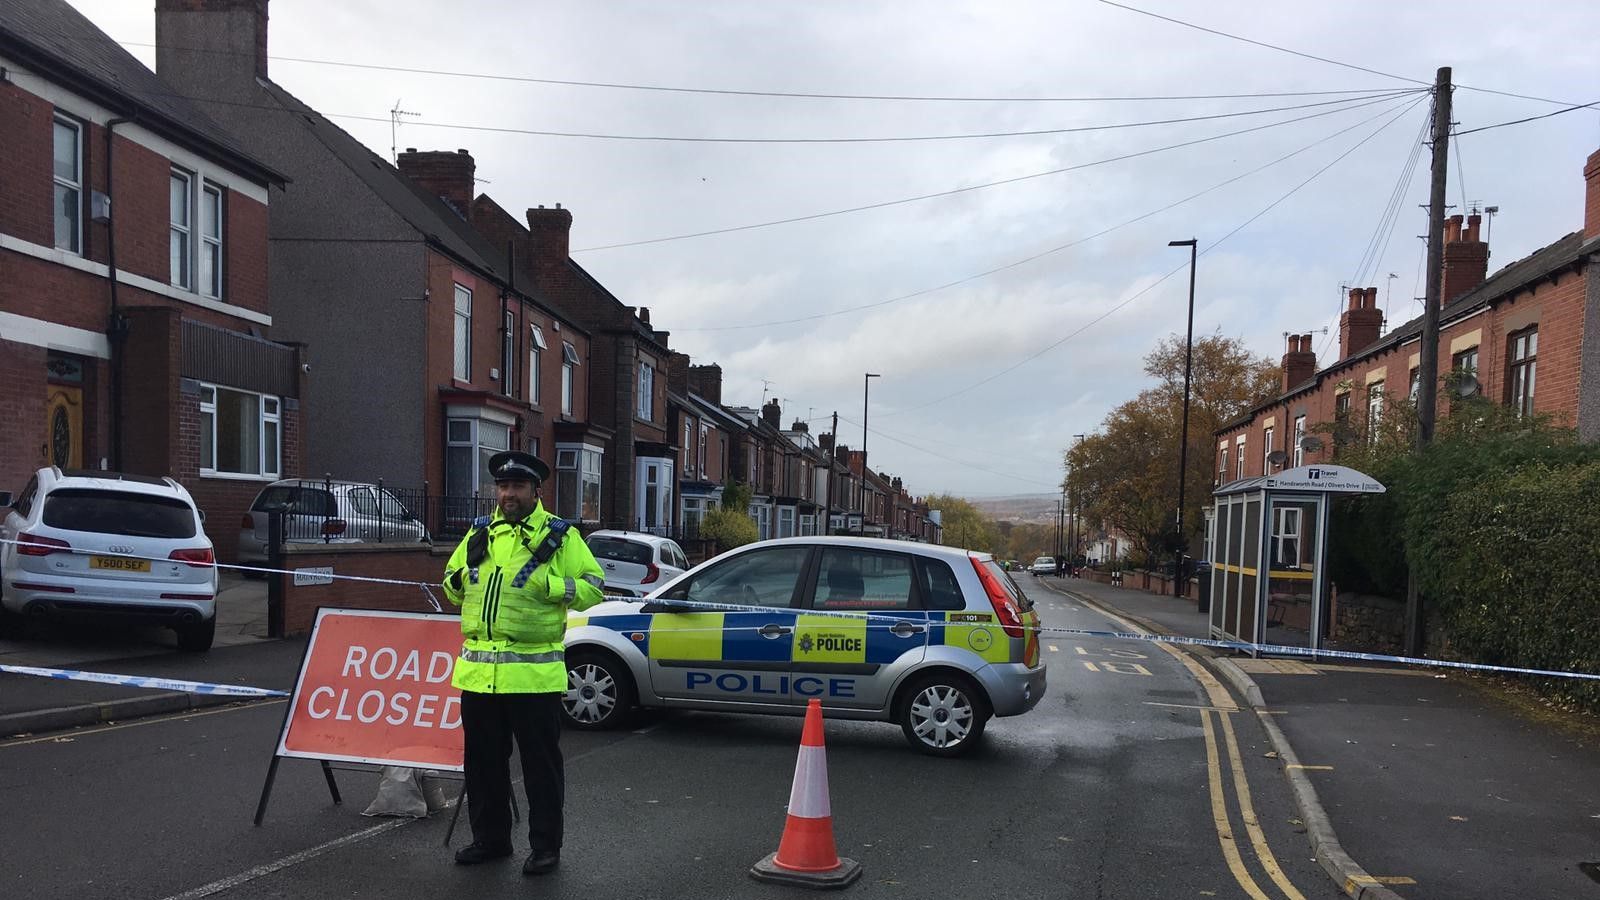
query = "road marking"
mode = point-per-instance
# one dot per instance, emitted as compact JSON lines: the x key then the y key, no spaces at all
{"x":1090,"y":666}
{"x":1381,"y":879}
{"x":1054,"y":649}
{"x":1081,"y":651}
{"x":1219,"y":814}
{"x":150,"y":720}
{"x":233,"y":881}
{"x":1252,"y":825}
{"x":1220,"y":709}
{"x":1125,"y":668}
{"x":1310,"y":768}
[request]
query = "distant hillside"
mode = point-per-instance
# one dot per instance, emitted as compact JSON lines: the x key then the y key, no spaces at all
{"x":1020,"y":508}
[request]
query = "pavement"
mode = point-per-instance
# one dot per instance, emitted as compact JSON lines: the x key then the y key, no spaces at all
{"x":1413,"y":782}
{"x":32,"y":704}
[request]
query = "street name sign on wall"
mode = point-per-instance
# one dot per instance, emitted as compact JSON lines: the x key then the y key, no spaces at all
{"x":313,"y":575}
{"x":374,"y":687}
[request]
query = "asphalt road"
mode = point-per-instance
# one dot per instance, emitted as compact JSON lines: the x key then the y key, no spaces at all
{"x":1121,"y":784}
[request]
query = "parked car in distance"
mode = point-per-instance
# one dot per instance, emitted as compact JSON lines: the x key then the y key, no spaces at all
{"x":333,"y":512}
{"x":636,"y":562}
{"x":1044,"y":565}
{"x":108,"y":546}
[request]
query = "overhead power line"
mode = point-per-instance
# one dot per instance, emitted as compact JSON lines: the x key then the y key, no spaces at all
{"x":1153,"y":285}
{"x":1321,"y":59}
{"x":892,"y":139}
{"x":749,"y":92}
{"x":1590,"y":105}
{"x":1040,"y":255}
{"x":961,"y":462}
{"x":978,"y":187}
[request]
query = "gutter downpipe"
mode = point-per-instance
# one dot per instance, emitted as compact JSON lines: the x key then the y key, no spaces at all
{"x":116,"y":323}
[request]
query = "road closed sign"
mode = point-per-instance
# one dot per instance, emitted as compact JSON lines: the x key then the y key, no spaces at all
{"x":375,"y":688}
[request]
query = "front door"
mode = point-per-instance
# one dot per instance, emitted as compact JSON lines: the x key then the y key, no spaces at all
{"x":64,"y":426}
{"x":708,"y":657}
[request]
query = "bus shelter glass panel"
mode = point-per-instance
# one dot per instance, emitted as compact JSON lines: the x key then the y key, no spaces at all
{"x":1249,"y":559}
{"x":1292,"y":605}
{"x":1219,"y":572}
{"x":1232,"y":552}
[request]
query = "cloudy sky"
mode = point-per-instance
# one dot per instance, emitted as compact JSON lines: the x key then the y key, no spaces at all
{"x":986,"y":374}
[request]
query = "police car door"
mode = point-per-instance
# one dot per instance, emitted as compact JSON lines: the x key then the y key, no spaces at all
{"x":712,"y":658}
{"x":854,"y":661}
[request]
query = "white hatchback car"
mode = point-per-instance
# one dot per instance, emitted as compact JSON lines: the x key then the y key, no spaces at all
{"x":110,"y":546}
{"x":636,"y":562}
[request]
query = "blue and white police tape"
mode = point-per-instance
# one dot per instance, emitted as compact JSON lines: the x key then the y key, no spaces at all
{"x":145,"y":681}
{"x":889,"y":621}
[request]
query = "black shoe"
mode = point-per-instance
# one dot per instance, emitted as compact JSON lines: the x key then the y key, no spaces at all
{"x":541,"y":861}
{"x":475,"y":853}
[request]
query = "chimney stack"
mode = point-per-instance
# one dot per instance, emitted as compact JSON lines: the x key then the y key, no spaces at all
{"x":551,"y":232}
{"x":825,"y":441}
{"x":1591,"y":198}
{"x":772,"y":414}
{"x":1466,"y":259}
{"x":443,"y":174}
{"x":644,"y":314}
{"x":678,"y":373}
{"x":707,"y":382}
{"x":1361,"y":324}
{"x":1299,"y":362}
{"x":801,"y":425}
{"x":201,"y":43}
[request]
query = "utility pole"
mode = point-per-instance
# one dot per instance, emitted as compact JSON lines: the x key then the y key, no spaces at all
{"x":1428,"y":364}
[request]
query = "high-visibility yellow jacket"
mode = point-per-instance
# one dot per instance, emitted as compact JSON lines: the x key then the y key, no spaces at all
{"x":514,"y":614}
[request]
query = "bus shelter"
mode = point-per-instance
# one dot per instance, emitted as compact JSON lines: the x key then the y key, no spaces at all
{"x":1268,"y":546}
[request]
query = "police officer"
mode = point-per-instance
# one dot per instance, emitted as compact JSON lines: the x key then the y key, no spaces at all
{"x":515,"y":575}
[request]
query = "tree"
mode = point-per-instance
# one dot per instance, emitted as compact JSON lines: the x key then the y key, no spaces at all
{"x":964,"y":525}
{"x":1126,"y":475}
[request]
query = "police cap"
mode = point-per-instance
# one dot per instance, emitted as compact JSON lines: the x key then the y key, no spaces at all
{"x":514,"y":465}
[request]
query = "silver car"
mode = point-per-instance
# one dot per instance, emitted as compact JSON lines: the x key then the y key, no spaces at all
{"x":636,"y":563}
{"x":934,"y":639}
{"x":334,"y":512}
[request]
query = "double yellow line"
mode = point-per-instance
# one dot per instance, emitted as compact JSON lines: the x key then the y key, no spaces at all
{"x":1222,"y":707}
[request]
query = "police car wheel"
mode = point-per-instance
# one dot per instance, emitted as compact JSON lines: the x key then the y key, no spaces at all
{"x":599,"y":692}
{"x":943,"y":715}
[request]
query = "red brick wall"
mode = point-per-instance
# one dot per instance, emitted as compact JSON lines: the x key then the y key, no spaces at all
{"x":26,"y":191}
{"x":400,"y":563}
{"x":1558,"y":310}
{"x":244,"y":248}
{"x":1591,"y":203}
{"x":22,"y":409}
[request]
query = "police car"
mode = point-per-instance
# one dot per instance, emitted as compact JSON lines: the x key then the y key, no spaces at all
{"x":935,"y":639}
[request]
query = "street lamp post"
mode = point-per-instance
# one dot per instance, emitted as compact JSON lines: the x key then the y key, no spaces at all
{"x":1072,"y":521}
{"x":1183,"y":445}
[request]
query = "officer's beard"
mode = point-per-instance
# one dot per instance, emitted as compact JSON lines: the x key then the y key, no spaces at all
{"x":515,"y":509}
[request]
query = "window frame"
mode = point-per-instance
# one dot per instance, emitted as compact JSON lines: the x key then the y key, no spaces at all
{"x":1522,"y":372}
{"x":646,"y":407}
{"x":208,"y":413}
{"x":181,"y":234}
{"x":569,"y":376}
{"x":74,"y":186}
{"x":1299,"y":437}
{"x":536,"y":348}
{"x":461,"y":346}
{"x":1375,"y":408}
{"x":1267,"y":435}
{"x":210,"y":243}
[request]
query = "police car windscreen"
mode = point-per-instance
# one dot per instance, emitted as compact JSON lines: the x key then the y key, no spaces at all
{"x":620,"y":550}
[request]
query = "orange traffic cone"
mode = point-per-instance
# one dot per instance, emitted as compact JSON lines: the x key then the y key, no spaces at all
{"x":806,"y":855}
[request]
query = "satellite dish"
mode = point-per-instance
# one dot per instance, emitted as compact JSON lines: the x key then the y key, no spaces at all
{"x":1467,"y":385}
{"x":1277,"y":457}
{"x":1311,"y":443}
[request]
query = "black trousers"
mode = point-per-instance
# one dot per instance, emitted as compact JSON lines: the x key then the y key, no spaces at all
{"x":489,"y":722}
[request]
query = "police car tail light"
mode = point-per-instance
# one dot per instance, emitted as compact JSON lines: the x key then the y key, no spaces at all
{"x":1005,"y":607}
{"x":34,"y":545}
{"x":651,"y":573}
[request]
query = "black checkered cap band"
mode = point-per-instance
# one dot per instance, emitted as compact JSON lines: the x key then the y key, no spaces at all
{"x":513,"y":470}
